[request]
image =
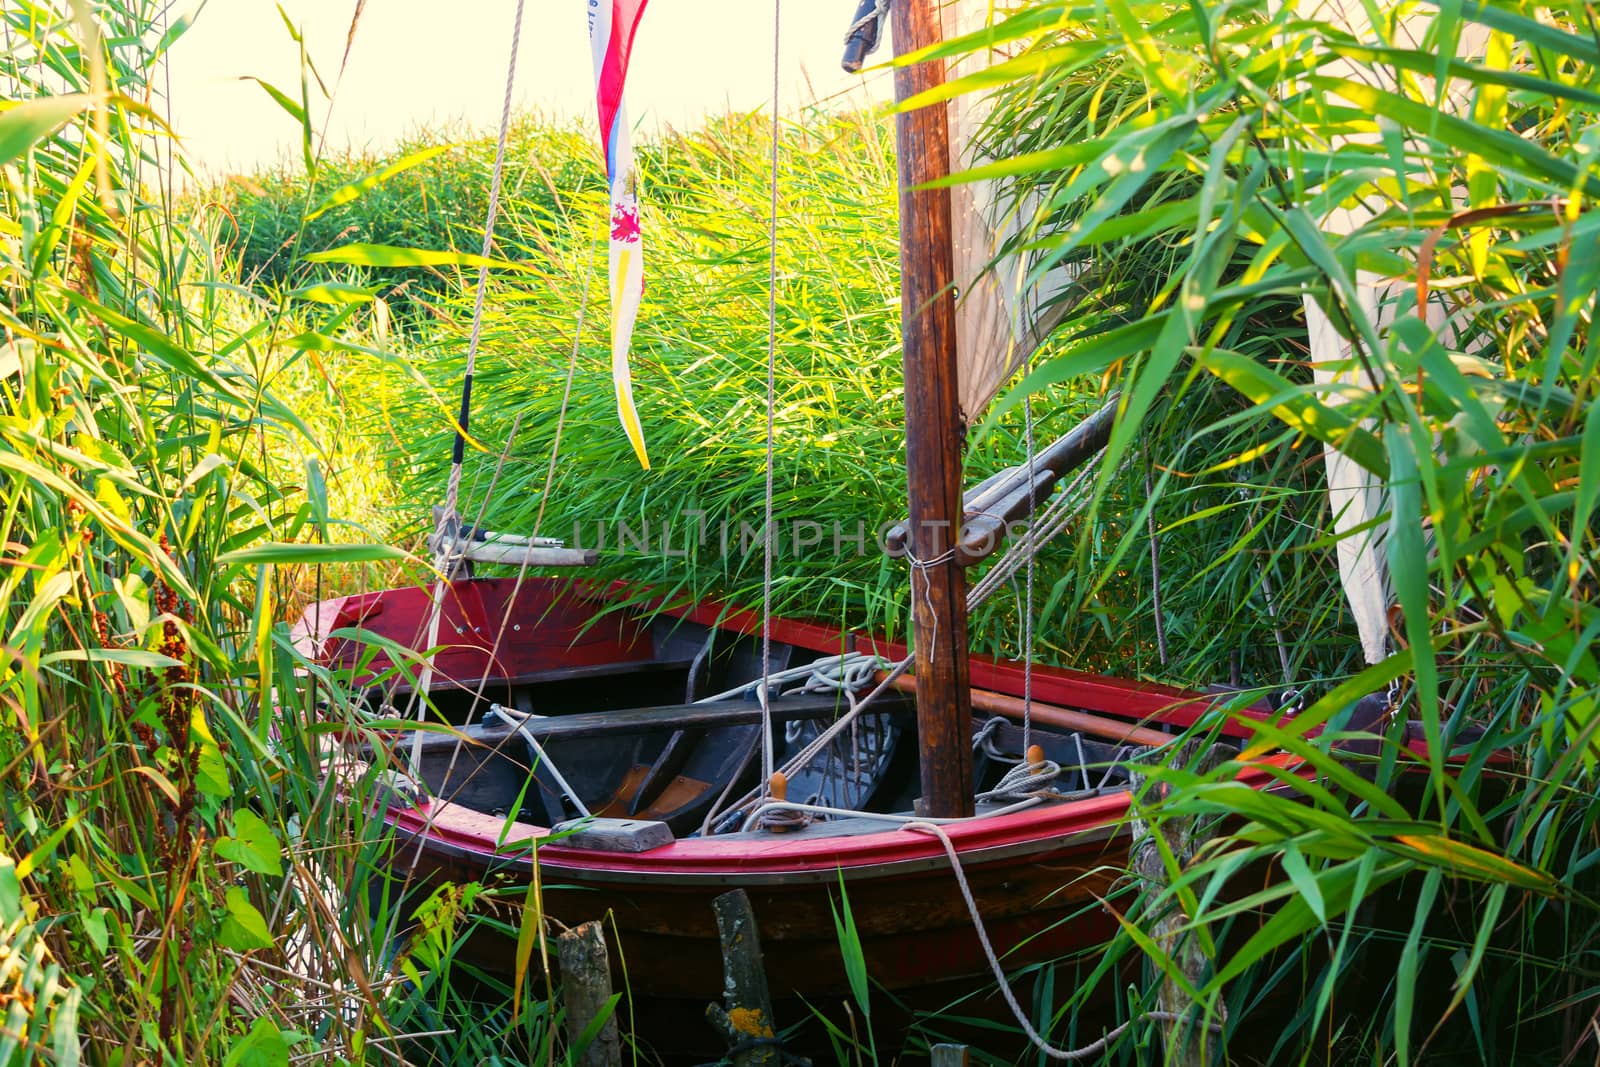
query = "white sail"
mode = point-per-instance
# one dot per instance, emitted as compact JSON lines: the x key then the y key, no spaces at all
{"x":1000,"y":319}
{"x":1355,"y":496}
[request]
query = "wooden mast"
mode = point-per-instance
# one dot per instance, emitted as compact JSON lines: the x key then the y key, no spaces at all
{"x":933,"y":425}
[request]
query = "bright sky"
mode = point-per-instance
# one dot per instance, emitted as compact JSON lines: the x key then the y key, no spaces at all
{"x":422,"y":62}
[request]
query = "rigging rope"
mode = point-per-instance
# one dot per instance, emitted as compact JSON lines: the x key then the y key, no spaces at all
{"x":875,"y":18}
{"x":522,"y":569}
{"x":1155,"y":563}
{"x":767,"y":755}
{"x":447,"y":528}
{"x":1022,"y":781}
{"x":1027,"y":604}
{"x":921,"y":568}
{"x":458,"y":454}
{"x":518,"y":721}
{"x":1052,"y":520}
{"x":566,"y":392}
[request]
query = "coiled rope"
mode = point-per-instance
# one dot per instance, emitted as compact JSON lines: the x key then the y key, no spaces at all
{"x":1022,"y":781}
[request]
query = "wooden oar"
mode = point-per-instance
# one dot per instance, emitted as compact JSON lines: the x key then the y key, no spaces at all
{"x":1051,"y":715}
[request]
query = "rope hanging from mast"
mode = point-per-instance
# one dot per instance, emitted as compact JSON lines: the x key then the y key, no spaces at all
{"x":1065,"y":1055}
{"x":459,"y":447}
{"x":447,"y":527}
{"x":767,"y":755}
{"x":1051,"y":522}
{"x":1031,"y":552}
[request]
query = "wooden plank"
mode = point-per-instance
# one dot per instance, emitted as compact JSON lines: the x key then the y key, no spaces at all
{"x":745,"y":1022}
{"x":933,"y":423}
{"x":674,"y":754}
{"x":557,"y":674}
{"x":600,"y":834}
{"x":1188,"y":1040}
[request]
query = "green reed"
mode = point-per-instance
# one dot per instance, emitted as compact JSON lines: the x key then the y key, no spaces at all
{"x":1425,"y":905}
{"x":179,"y":875}
{"x":690,"y":527}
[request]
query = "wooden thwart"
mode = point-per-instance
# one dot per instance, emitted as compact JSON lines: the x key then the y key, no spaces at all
{"x":1188,"y":1040}
{"x":686,"y":717}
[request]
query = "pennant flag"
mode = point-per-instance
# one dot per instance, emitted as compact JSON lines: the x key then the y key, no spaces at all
{"x":611,"y":26}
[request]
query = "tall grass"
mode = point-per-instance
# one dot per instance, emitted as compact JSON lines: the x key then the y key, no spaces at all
{"x":1186,"y":154}
{"x":690,"y":527}
{"x":431,"y":191}
{"x":176,"y":869}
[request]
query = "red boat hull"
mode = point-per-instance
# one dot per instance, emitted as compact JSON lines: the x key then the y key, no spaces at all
{"x":913,"y":924}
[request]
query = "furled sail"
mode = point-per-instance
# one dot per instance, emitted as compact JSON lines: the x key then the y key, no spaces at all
{"x":1356,"y":497}
{"x":1000,"y":317}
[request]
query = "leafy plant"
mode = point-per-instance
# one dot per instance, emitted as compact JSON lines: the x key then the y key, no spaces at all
{"x":1244,"y":128}
{"x":175,"y":863}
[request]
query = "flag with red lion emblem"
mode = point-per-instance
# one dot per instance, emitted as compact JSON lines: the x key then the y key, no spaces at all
{"x":611,"y":27}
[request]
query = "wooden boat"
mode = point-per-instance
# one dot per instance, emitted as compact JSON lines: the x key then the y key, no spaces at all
{"x":583,"y":727}
{"x":610,"y":695}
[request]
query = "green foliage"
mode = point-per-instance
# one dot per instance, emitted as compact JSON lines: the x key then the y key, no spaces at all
{"x":171,"y":850}
{"x":691,"y":526}
{"x":174,"y":858}
{"x":1227,"y":136}
{"x":430,"y":193}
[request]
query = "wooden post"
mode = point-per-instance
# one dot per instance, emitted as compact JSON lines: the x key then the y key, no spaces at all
{"x":933,"y":425}
{"x":586,"y":991}
{"x":746,"y":1023}
{"x":949,"y":1056}
{"x":1185,"y":1037}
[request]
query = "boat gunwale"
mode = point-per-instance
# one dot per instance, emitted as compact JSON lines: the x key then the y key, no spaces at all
{"x":1140,"y":702}
{"x":446,"y":828}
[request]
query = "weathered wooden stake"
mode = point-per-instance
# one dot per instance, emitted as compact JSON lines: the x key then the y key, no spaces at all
{"x":585,"y":991}
{"x":1185,"y":1036}
{"x":949,"y":1056}
{"x":746,"y":1022}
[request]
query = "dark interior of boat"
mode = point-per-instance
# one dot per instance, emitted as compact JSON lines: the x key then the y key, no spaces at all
{"x":637,"y":741}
